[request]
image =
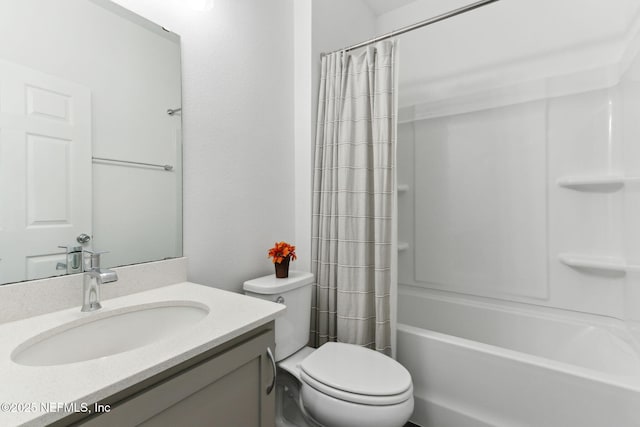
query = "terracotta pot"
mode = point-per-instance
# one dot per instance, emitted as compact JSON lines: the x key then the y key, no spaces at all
{"x":282,"y":269}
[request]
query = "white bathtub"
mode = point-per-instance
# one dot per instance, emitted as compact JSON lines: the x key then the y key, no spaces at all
{"x":475,"y":363}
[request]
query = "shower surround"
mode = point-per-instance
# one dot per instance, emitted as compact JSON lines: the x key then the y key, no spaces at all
{"x":518,"y":207}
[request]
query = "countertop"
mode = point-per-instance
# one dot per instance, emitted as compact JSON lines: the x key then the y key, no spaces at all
{"x":230,"y":316}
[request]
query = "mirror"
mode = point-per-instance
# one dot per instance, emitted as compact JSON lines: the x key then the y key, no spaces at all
{"x":90,"y":137}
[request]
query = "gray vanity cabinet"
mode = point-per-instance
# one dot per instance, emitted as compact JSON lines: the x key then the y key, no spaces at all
{"x":224,"y":387}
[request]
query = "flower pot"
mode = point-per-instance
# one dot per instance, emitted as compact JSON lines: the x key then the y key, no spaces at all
{"x":282,"y":269}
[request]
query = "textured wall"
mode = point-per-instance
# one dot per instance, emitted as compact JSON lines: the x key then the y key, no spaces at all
{"x":238,"y":132}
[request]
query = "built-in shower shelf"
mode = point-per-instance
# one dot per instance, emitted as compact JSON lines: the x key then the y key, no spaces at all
{"x":403,"y":246}
{"x":403,"y":188}
{"x":595,"y":181}
{"x":597,"y":262}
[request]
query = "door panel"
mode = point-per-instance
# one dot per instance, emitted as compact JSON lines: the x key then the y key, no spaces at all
{"x":45,"y":170}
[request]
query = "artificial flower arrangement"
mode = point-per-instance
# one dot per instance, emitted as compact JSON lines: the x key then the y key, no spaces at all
{"x":282,"y":250}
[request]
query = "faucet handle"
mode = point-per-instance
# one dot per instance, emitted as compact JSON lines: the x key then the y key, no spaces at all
{"x":91,"y":258}
{"x":94,"y":252}
{"x":71,"y":248}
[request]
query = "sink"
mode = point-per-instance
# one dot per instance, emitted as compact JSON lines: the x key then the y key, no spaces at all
{"x":109,"y":333}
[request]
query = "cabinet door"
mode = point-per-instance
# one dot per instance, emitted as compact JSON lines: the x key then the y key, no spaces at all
{"x":233,"y":400}
{"x":228,"y":390}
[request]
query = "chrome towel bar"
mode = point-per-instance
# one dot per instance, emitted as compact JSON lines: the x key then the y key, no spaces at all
{"x":104,"y":159}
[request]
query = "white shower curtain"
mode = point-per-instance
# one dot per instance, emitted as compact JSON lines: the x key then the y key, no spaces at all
{"x":353,"y":198}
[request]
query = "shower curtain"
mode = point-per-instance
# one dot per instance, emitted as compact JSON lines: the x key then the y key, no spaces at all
{"x":353,"y":198}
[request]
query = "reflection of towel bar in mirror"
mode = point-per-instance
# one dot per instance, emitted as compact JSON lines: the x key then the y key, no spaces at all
{"x":104,"y":159}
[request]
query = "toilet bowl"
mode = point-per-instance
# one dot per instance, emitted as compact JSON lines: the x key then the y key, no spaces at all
{"x":336,"y":385}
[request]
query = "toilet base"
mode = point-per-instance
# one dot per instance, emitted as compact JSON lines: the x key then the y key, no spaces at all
{"x":288,"y":413}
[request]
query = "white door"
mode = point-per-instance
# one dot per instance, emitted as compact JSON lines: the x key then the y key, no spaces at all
{"x":45,"y":170}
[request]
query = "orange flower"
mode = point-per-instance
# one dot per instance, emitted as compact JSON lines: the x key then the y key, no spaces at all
{"x":282,"y":250}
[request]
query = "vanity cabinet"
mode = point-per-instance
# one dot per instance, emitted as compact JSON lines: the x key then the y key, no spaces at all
{"x":226,"y":387}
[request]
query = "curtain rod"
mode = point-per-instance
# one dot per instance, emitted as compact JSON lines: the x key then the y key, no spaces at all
{"x":417,"y":25}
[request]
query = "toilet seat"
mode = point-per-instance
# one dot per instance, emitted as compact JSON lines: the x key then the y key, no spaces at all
{"x":355,"y":374}
{"x":362,"y":399}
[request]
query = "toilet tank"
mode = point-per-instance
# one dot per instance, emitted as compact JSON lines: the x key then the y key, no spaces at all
{"x":292,"y":328}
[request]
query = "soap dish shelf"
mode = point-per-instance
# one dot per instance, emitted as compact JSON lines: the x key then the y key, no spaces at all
{"x":403,"y":188}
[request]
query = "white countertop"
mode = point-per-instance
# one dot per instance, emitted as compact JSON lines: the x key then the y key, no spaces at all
{"x":230,"y":316}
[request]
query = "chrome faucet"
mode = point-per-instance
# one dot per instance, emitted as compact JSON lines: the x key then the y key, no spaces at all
{"x":94,"y":277}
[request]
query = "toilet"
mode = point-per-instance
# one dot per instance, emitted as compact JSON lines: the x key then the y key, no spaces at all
{"x":336,"y":385}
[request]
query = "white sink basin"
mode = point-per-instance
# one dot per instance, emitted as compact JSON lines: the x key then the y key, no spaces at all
{"x":103,"y":334}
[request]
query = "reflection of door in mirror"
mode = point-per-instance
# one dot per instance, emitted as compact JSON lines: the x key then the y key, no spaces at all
{"x":45,"y":170}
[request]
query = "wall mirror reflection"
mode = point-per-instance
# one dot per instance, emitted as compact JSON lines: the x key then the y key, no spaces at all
{"x":90,"y":137}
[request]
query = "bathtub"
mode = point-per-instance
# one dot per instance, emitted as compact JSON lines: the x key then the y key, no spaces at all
{"x":482,"y":363}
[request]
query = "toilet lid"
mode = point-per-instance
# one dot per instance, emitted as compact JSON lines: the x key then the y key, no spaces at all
{"x":353,"y":369}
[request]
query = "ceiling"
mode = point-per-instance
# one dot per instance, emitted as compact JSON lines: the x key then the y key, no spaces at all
{"x":380,"y":7}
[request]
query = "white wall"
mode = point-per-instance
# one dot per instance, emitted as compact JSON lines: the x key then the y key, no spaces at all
{"x":238,"y":133}
{"x":303,"y":128}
